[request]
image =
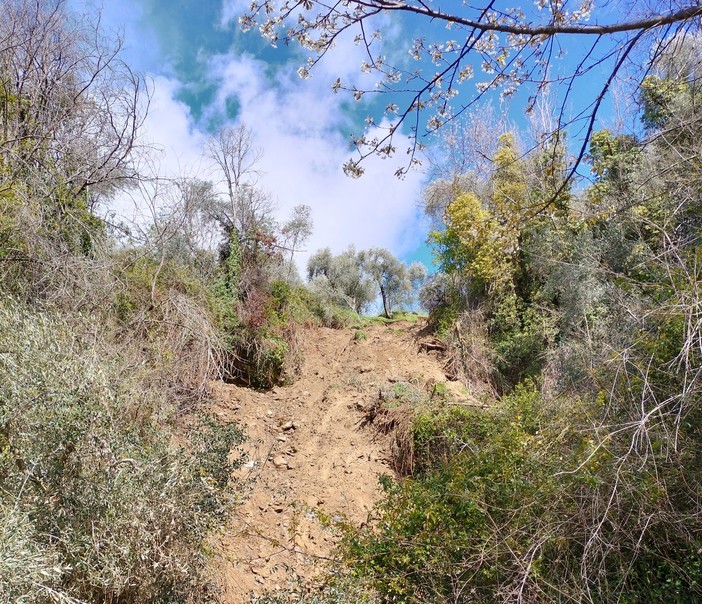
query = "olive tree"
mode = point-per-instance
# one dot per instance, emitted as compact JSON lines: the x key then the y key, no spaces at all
{"x":396,"y":283}
{"x":340,"y":279}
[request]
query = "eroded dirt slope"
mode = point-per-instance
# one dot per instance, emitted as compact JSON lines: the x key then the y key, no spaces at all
{"x":311,"y":459}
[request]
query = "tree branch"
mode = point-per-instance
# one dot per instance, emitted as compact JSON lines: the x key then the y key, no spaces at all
{"x":539,"y":30}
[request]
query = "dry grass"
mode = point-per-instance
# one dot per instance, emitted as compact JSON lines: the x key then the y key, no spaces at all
{"x":470,"y":357}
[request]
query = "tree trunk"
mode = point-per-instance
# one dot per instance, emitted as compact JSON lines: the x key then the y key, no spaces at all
{"x":386,"y":308}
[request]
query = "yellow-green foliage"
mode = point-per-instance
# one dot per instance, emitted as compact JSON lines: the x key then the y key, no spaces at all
{"x":614,"y":160}
{"x":480,"y":240}
{"x":476,"y":231}
{"x":509,"y":187}
{"x":658,"y":96}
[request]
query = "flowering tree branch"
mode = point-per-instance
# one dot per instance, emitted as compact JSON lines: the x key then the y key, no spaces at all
{"x":496,"y":49}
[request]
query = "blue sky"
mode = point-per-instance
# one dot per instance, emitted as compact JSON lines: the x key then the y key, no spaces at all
{"x":206,"y":73}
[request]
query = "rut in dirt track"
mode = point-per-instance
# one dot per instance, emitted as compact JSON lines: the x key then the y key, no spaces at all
{"x":310,"y":458}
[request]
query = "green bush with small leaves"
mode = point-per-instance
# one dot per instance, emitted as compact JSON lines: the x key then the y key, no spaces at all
{"x":96,"y":504}
{"x":494,"y":507}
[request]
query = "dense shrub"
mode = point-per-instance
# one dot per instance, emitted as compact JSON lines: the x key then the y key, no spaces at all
{"x":171,"y":313}
{"x":95,"y":502}
{"x":520,"y":501}
{"x":339,"y":588}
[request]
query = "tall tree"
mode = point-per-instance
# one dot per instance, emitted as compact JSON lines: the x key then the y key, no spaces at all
{"x":233,"y":150}
{"x":70,"y":112}
{"x":394,"y":281}
{"x":66,"y":94}
{"x":341,"y":278}
{"x":246,"y":212}
{"x":296,"y":231}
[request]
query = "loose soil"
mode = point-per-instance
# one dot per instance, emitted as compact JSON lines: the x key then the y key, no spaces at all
{"x":312,"y":459}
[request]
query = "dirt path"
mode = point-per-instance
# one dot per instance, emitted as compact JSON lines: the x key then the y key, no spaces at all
{"x":311,"y":461}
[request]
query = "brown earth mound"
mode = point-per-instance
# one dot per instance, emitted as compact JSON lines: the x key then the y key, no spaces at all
{"x":313,"y":461}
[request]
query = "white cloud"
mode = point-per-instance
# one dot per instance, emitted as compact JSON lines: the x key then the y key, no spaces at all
{"x":169,"y":146}
{"x":297,"y":124}
{"x":170,"y":127}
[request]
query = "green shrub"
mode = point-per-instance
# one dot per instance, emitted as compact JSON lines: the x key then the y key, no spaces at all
{"x":436,"y":530}
{"x":439,"y":435}
{"x":520,"y":336}
{"x":507,"y":499}
{"x":94,"y":499}
{"x":443,"y":317}
{"x":396,"y":394}
{"x":339,"y":588}
{"x":270,"y":358}
{"x":166,"y":314}
{"x":29,"y":570}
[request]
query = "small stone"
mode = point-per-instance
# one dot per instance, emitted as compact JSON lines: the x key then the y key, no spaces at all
{"x":282,"y":438}
{"x":291,"y":465}
{"x":288,"y":426}
{"x":280,"y":462}
{"x":278,"y":509}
